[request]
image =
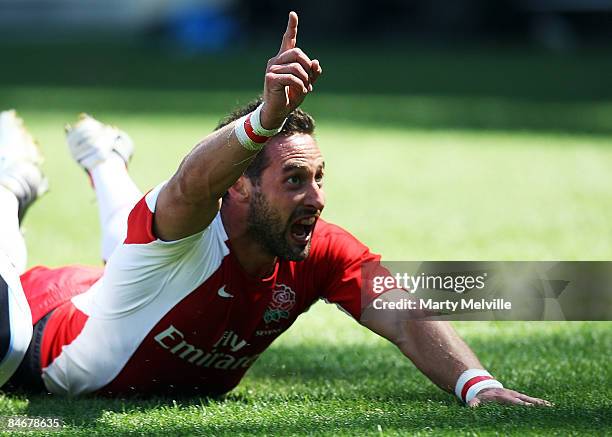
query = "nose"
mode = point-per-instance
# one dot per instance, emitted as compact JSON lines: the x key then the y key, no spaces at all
{"x":315,"y":196}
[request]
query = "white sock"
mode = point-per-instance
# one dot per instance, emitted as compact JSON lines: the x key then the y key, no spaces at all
{"x":11,"y":238}
{"x":117,"y":194}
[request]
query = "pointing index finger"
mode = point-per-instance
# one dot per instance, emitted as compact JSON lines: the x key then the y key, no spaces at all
{"x":290,"y":36}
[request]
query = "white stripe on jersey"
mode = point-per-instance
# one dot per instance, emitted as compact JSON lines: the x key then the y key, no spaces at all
{"x":141,"y":283}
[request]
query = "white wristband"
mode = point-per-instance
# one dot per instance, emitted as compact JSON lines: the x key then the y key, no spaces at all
{"x":258,"y":128}
{"x":249,"y":142}
{"x":250,"y":133}
{"x":472,"y":381}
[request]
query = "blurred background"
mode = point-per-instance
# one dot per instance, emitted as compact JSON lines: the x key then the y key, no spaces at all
{"x":479,"y":129}
{"x":200,"y":25}
{"x":516,"y":51}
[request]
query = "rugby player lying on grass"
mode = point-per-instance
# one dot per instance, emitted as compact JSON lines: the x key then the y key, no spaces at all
{"x":209,"y":268}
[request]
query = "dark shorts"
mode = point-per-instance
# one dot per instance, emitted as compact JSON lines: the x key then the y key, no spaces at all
{"x":28,"y":376}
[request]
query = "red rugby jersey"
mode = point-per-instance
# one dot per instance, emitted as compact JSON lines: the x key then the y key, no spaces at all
{"x":184,"y":315}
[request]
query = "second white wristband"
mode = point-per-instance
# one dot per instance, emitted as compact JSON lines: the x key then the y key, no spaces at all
{"x":472,"y":381}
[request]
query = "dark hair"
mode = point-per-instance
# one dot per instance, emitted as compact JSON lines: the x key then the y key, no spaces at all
{"x":298,"y":122}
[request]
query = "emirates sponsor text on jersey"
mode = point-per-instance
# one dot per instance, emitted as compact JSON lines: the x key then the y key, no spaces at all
{"x":219,"y":357}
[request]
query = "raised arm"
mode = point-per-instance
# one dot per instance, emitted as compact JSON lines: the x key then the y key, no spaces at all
{"x":436,"y":349}
{"x":191,"y":199}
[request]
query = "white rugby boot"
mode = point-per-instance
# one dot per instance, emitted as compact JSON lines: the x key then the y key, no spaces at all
{"x":92,"y":142}
{"x":20,"y":162}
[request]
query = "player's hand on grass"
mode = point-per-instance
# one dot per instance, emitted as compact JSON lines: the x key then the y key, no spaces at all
{"x":290,"y":76}
{"x":506,"y":396}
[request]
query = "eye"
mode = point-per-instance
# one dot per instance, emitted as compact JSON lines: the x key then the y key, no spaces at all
{"x":294,"y":180}
{"x":319,"y":178}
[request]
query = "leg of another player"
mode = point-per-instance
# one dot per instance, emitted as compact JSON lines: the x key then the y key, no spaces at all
{"x":12,"y":243}
{"x":21,"y":183}
{"x":104,"y":151}
{"x":15,"y":320}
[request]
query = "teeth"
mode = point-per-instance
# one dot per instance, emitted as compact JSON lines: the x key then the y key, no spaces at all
{"x":307,"y":221}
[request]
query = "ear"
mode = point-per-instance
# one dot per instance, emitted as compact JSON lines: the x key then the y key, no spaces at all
{"x":241,"y":190}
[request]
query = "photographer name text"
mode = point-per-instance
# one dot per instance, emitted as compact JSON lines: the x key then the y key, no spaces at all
{"x":442,"y":305}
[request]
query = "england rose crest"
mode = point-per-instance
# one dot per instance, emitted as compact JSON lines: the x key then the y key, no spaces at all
{"x":283,"y":300}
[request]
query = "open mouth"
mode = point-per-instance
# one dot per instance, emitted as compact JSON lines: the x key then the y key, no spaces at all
{"x":301,"y":230}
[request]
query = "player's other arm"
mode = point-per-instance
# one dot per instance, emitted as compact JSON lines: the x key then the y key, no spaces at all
{"x":191,"y":199}
{"x":437,"y":350}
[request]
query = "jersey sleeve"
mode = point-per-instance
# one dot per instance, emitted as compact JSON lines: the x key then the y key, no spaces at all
{"x":144,"y":266}
{"x":349,"y":266}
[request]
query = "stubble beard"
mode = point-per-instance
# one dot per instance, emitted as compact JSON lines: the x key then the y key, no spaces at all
{"x":265,"y":226}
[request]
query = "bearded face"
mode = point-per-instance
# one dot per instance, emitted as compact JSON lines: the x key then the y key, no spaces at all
{"x":287,"y":238}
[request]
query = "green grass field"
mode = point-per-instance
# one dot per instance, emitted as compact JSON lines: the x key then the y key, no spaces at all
{"x":447,"y":159}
